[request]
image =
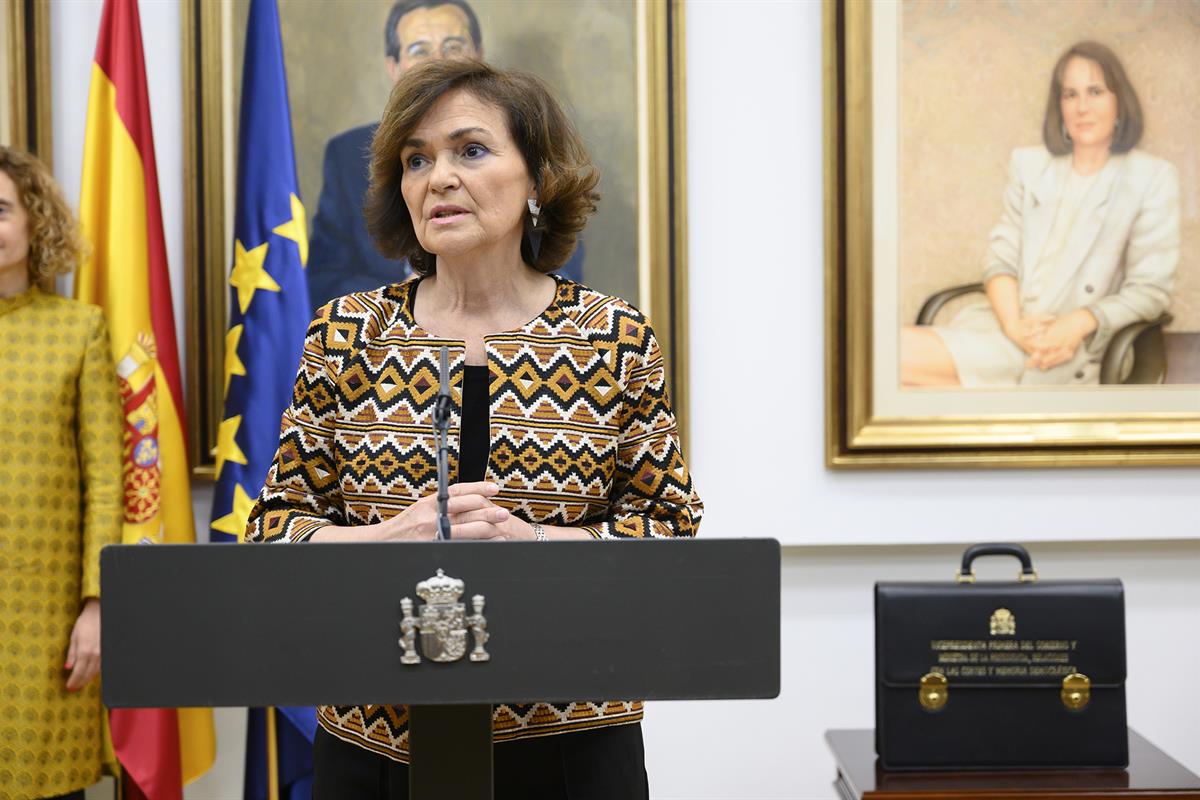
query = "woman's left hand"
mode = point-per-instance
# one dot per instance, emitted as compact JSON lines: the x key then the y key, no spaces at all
{"x":1061,"y":338}
{"x":483,"y":524}
{"x":83,"y":653}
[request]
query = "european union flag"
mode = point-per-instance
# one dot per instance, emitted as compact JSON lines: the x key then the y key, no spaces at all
{"x":269,"y":314}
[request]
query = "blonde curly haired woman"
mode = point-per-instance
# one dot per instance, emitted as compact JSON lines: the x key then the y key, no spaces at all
{"x":60,"y":494}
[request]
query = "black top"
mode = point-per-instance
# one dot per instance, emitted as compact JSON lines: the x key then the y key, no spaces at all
{"x":474,"y":446}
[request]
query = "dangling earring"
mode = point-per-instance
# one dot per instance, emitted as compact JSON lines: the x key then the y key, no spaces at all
{"x":1066,"y":135}
{"x":1117,"y":123}
{"x":533,"y":231}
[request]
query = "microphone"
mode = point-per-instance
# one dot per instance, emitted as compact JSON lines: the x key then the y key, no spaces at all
{"x":441,"y":426}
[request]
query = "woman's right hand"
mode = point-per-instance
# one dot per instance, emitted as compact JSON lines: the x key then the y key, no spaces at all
{"x":1004,"y":294}
{"x":83,"y":649}
{"x":468,"y":502}
{"x":1026,"y":331}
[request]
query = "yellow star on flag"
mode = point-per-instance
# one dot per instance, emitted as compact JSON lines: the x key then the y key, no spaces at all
{"x":234,"y":522}
{"x":233,"y":364}
{"x":227,"y":446}
{"x":296,"y":229}
{"x":248,"y":273}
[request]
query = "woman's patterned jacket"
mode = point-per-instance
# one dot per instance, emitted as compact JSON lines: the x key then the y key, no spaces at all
{"x":581,"y":431}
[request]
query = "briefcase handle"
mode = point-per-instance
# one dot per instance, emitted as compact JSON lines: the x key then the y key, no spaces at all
{"x":966,"y":575}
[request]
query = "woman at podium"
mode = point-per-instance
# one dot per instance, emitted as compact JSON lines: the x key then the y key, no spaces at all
{"x":60,"y":494}
{"x":561,"y":427}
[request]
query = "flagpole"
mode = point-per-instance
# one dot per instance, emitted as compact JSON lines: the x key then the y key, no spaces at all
{"x":272,"y":756}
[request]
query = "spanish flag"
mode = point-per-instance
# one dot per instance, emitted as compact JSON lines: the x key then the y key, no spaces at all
{"x":159,"y":749}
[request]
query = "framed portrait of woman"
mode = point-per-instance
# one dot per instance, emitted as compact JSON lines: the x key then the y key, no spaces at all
{"x":617,"y":67}
{"x":1013,"y":233}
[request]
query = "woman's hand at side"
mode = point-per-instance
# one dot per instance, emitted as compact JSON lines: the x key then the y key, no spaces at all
{"x":1058,"y":342}
{"x":83,"y":651}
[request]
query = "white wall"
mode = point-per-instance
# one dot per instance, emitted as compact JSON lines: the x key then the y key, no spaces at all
{"x":755,"y":198}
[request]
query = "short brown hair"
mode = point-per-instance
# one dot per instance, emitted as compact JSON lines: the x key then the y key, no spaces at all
{"x":557,"y":161}
{"x":55,"y":244}
{"x":1129,"y":110}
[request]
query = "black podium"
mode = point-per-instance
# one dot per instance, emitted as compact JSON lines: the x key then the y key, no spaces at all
{"x":319,"y":624}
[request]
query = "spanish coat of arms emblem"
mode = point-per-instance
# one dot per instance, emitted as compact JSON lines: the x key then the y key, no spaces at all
{"x":1003,"y":623}
{"x":443,"y":623}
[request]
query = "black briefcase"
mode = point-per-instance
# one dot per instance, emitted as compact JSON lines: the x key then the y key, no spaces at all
{"x":997,"y":675}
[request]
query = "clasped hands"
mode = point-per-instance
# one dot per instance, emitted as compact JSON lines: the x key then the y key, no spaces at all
{"x":473,"y":515}
{"x":1049,"y":340}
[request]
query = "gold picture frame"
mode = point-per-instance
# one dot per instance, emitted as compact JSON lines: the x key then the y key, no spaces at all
{"x":25,"y":77}
{"x":210,"y":80}
{"x":862,"y":431}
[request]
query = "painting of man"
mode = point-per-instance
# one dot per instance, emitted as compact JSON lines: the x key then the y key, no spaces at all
{"x":342,"y":258}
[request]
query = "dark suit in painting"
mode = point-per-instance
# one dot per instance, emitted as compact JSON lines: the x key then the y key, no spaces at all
{"x":342,"y":258}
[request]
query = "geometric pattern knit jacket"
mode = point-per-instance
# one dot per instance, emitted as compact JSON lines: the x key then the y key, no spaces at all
{"x":581,"y":434}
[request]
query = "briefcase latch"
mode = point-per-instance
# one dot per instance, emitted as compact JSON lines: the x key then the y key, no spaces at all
{"x":1076,"y":691}
{"x":934,"y":691}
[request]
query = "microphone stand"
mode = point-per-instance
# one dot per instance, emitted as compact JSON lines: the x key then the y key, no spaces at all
{"x":441,"y":426}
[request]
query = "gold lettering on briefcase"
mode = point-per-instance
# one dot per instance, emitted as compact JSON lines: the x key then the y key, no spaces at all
{"x":1003,"y":658}
{"x":1003,"y":623}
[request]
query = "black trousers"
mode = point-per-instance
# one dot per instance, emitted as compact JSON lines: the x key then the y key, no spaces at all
{"x":602,"y":764}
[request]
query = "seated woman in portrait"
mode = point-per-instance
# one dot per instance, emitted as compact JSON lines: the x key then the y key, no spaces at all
{"x":1087,"y":244}
{"x":561,"y":425}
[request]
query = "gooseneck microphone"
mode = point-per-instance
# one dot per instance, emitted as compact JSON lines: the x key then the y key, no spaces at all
{"x":441,"y":426}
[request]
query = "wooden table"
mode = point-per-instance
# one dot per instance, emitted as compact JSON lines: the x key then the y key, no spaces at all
{"x":1151,"y":774}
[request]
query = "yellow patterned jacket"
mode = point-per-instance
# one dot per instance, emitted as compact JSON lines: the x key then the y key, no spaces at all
{"x":60,"y":503}
{"x":581,"y":434}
